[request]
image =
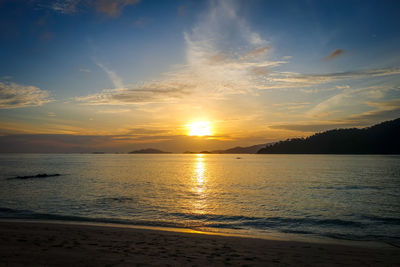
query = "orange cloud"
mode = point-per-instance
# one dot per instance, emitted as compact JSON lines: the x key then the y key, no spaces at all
{"x":112,"y":8}
{"x":257,"y":52}
{"x":14,"y":95}
{"x":336,"y":53}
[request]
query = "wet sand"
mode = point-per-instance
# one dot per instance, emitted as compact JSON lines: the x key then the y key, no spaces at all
{"x":56,"y":244}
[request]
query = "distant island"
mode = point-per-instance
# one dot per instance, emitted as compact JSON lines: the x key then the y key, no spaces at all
{"x":234,"y":150}
{"x":149,"y":151}
{"x":240,"y":150}
{"x":383,"y":138}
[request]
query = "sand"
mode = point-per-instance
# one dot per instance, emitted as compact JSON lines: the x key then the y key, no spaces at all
{"x":56,"y":244}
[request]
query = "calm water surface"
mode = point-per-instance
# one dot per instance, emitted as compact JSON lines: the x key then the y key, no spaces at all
{"x":347,"y":197}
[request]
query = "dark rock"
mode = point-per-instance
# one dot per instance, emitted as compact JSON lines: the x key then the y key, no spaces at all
{"x":40,"y":175}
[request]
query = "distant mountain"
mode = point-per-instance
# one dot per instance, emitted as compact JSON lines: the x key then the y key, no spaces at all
{"x":234,"y":150}
{"x":149,"y":151}
{"x":241,"y":150}
{"x":383,"y":138}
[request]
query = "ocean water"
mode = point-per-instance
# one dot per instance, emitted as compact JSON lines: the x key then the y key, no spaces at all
{"x":354,"y":197}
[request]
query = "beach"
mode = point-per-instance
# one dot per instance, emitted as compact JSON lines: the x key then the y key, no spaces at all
{"x":25,"y":243}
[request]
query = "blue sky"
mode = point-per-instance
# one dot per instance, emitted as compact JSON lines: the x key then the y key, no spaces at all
{"x":135,"y":73}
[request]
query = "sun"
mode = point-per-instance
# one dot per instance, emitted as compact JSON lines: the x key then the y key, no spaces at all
{"x":199,"y":128}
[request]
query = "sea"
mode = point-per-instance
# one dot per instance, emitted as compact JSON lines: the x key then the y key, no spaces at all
{"x":342,"y":197}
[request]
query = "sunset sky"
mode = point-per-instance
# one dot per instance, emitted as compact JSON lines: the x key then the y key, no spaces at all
{"x":118,"y":75}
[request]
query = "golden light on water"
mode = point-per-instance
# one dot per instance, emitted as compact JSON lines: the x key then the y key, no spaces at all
{"x":199,"y":185}
{"x":199,"y":128}
{"x":200,"y":173}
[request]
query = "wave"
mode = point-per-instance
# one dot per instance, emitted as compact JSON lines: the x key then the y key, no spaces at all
{"x":6,"y":213}
{"x":116,"y":200}
{"x":332,"y":228}
{"x":383,"y":220}
{"x":267,"y":222}
{"x":349,"y":187}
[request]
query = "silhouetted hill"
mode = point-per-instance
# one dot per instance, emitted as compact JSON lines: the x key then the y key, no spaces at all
{"x":234,"y":150}
{"x":383,"y":138}
{"x":241,"y":150}
{"x":148,"y":151}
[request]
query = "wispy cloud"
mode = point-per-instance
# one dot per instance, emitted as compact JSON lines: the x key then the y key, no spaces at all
{"x":349,"y":98}
{"x":85,"y":70}
{"x":383,"y":110}
{"x":135,"y":131}
{"x":152,"y":92}
{"x":289,"y":79}
{"x":314,"y":127}
{"x":14,"y":95}
{"x":334,"y":54}
{"x":216,"y":65}
{"x":111,"y":8}
{"x":115,"y":79}
{"x":64,"y":6}
{"x":292,"y":106}
{"x":114,"y":111}
{"x":257,"y":52}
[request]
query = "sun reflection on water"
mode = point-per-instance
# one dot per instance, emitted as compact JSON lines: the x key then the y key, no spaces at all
{"x":199,"y":184}
{"x":200,"y":173}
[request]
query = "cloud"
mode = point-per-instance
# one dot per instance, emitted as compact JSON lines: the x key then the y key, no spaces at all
{"x":115,"y":79}
{"x":152,"y":92}
{"x":334,"y":54}
{"x":343,"y":86}
{"x":334,"y":102}
{"x":278,"y":80}
{"x":114,"y":111}
{"x":14,"y":95}
{"x":257,"y":52}
{"x":111,"y":8}
{"x":314,"y":127}
{"x":224,"y":57}
{"x":6,"y":78}
{"x":216,"y":64}
{"x":348,"y":99}
{"x":213,"y":74}
{"x":292,"y":106}
{"x":85,"y":70}
{"x":384,"y":110}
{"x":134,"y":131}
{"x":64,"y":6}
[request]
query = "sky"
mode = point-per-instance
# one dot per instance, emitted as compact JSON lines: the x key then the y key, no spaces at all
{"x":120,"y":75}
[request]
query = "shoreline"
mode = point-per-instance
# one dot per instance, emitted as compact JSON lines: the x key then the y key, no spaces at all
{"x":78,"y":244}
{"x":276,"y":236}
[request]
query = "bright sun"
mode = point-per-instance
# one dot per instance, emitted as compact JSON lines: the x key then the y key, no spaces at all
{"x":199,"y":128}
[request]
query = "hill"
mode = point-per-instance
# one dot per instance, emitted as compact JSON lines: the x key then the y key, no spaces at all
{"x":234,"y":150}
{"x":240,"y":150}
{"x":149,"y":151}
{"x":383,"y":138}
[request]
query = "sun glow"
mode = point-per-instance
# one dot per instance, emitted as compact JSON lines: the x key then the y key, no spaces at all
{"x":199,"y":128}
